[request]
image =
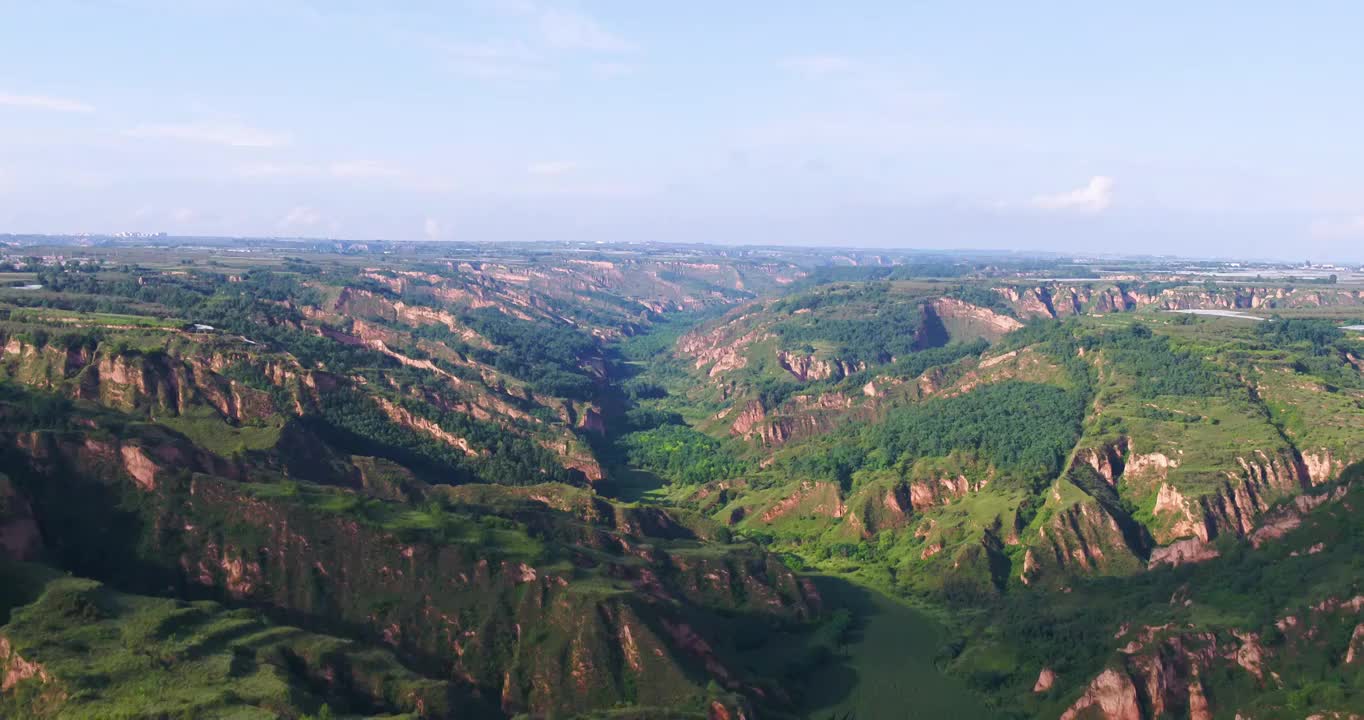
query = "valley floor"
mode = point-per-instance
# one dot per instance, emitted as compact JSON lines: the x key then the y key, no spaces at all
{"x":888,"y":670}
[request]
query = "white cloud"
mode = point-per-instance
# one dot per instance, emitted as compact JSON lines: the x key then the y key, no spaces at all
{"x":278,"y":170}
{"x":44,"y":102}
{"x":819,"y":65}
{"x":301,"y":217}
{"x":564,"y":29}
{"x":362,"y":169}
{"x":432,"y":229}
{"x":230,"y":134}
{"x":613,"y":69}
{"x":492,"y":60}
{"x":567,"y":30}
{"x":545,"y":34}
{"x":551,"y":168}
{"x":1340,"y":228}
{"x":1094,"y":197}
{"x":340,"y":170}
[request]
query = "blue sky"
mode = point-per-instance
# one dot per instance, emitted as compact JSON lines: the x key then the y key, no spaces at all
{"x":1195,"y":128}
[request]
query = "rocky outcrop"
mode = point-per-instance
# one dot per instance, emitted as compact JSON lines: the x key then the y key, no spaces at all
{"x":1158,"y":674}
{"x":159,"y":383}
{"x":1191,"y":550}
{"x":878,"y":507}
{"x":972,"y":320}
{"x":1045,"y":680}
{"x":752,"y":416}
{"x":818,"y":498}
{"x":139,"y":466}
{"x":1355,"y":651}
{"x":1062,"y":299}
{"x":406,"y":418}
{"x":808,"y":367}
{"x":1321,"y":466}
{"x":14,"y":669}
{"x":718,"y":348}
{"x":1112,"y":693}
{"x":1289,"y":517}
{"x":1029,"y":302}
{"x":1237,"y":504}
{"x":941,"y":490}
{"x":801,"y":417}
{"x":591,"y":420}
{"x":1083,"y":536}
{"x":1166,"y":668}
{"x":144,"y":461}
{"x":1108,"y":460}
{"x":1171,"y":502}
{"x":574,"y":454}
{"x":1236,"y":507}
{"x":1149,"y":467}
{"x":1250,"y":508}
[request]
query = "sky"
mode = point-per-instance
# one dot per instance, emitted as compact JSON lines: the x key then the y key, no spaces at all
{"x":1195,"y":128}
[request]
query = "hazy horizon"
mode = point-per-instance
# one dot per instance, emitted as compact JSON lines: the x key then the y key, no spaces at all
{"x":1211,"y":131}
{"x":150,"y":239}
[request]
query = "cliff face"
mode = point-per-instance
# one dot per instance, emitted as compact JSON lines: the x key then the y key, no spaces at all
{"x":721,"y":348}
{"x":895,"y":505}
{"x":159,"y":382}
{"x":1090,"y":533}
{"x":875,"y":508}
{"x":965,"y":321}
{"x":820,"y":498}
{"x":612,"y":616}
{"x":1082,"y":537}
{"x":1059,"y":300}
{"x":188,"y":382}
{"x":1190,"y":485}
{"x":1236,"y":506}
{"x":1165,"y":671}
{"x":1193,"y":649}
{"x":807,"y":367}
{"x":19,"y":538}
{"x":1108,"y":460}
{"x":801,"y":417}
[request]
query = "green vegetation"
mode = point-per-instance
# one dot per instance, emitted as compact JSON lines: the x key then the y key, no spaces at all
{"x":1244,"y":590}
{"x":1157,"y":367}
{"x":391,"y":447}
{"x":91,"y":318}
{"x":548,"y":355}
{"x":888,"y":663}
{"x":840,"y":318}
{"x":680,"y":454}
{"x":113,"y":655}
{"x":983,"y":423}
{"x":355,"y":421}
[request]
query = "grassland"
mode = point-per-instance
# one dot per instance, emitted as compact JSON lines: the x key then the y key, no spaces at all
{"x":92,"y":319}
{"x":112,"y":655}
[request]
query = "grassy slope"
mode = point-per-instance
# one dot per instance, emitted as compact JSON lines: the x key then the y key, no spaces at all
{"x":114,"y":655}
